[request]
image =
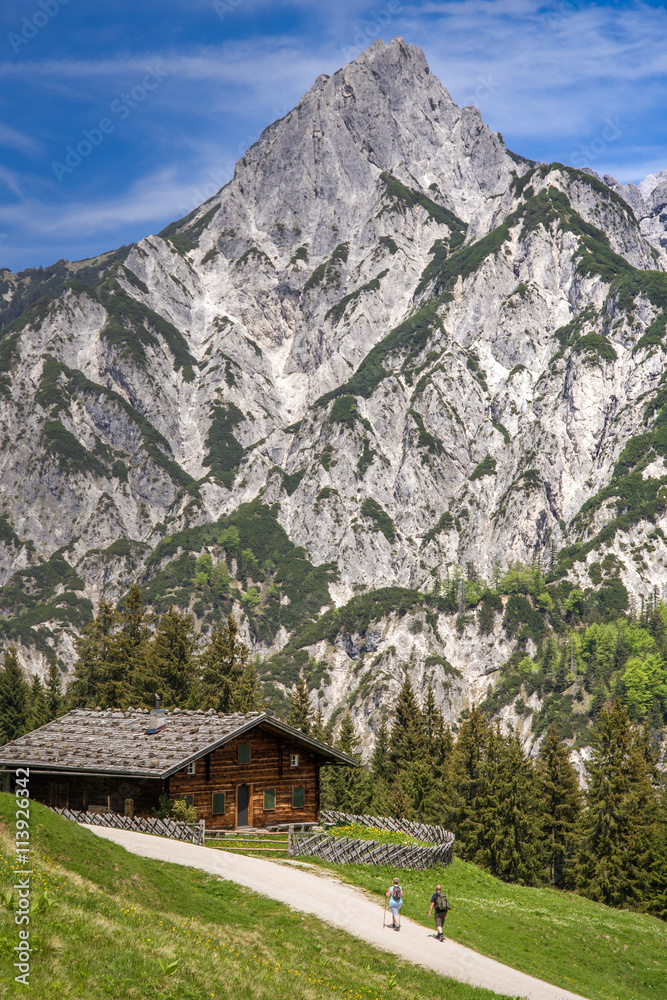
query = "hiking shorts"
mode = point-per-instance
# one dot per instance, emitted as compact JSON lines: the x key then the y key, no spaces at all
{"x":395,"y":905}
{"x":440,"y":917}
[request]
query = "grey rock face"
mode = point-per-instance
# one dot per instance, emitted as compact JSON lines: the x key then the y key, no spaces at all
{"x":419,"y":349}
{"x":649,"y":203}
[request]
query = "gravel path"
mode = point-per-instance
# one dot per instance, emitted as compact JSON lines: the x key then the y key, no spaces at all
{"x":312,"y":890}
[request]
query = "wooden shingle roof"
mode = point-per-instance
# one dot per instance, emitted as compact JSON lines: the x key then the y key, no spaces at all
{"x":117,"y":742}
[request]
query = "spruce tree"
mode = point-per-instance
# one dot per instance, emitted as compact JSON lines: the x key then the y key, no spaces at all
{"x":247,"y":696}
{"x":561,"y":802}
{"x":319,"y":729}
{"x":14,"y":698}
{"x":99,"y":677}
{"x":167,"y":668}
{"x":408,"y":733}
{"x":133,"y":635}
{"x":380,"y":762}
{"x":346,"y":788}
{"x":514,"y":856}
{"x":39,"y":711}
{"x":223,"y":662}
{"x":54,"y":691}
{"x":468,"y":777}
{"x":300,"y":710}
{"x":617,"y":825}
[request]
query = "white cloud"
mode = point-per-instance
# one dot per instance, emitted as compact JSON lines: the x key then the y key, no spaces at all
{"x":11,"y":138}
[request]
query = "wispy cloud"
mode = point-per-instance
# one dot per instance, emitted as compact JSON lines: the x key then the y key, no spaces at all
{"x":11,"y":138}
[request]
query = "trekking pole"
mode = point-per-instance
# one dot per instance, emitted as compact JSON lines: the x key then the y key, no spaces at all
{"x":384,"y":913}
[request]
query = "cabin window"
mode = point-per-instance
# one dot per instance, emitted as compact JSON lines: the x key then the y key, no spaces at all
{"x":294,"y":760}
{"x":298,"y":796}
{"x":244,"y":753}
{"x":189,"y":799}
{"x":192,"y":767}
{"x":218,"y":803}
{"x":269,"y":798}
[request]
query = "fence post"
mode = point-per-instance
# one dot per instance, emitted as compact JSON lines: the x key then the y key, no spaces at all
{"x":290,"y":840}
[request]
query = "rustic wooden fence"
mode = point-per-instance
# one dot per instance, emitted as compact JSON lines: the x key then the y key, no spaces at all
{"x":193,"y":833}
{"x":346,"y":851}
{"x":422,"y":831}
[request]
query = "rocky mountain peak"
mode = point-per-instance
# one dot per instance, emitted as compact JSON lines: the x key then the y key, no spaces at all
{"x":316,"y":170}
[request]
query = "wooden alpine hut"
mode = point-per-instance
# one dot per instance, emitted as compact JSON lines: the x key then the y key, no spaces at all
{"x":238,"y":770}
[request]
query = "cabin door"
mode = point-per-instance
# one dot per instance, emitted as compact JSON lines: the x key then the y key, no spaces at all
{"x":243,"y":799}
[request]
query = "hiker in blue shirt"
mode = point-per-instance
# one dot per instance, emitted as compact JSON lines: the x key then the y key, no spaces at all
{"x":395,"y":896}
{"x":441,"y":904}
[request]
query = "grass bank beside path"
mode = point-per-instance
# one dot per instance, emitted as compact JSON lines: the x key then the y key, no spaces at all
{"x":562,"y":938}
{"x":118,"y":926}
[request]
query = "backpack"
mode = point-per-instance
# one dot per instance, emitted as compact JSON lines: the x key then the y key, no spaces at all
{"x":397,"y":892}
{"x":442,"y":903}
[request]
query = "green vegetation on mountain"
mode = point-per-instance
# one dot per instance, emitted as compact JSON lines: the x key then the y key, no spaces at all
{"x":47,"y":592}
{"x":378,"y":516}
{"x":70,"y":454}
{"x":224,"y":450}
{"x":59,"y":386}
{"x":328,"y":273}
{"x":133,"y":327}
{"x":184,"y":234}
{"x":487,"y":467}
{"x":397,"y":195}
{"x":336,"y":313}
{"x":47,"y":283}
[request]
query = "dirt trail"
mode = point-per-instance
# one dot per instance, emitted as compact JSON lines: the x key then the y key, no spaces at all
{"x":316,"y":892}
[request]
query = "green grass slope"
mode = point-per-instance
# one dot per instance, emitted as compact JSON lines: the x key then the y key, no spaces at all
{"x":562,"y":938}
{"x":113,"y":918}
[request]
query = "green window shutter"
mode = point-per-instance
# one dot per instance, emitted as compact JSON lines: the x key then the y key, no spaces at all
{"x":218,"y":803}
{"x":298,"y":797}
{"x":244,"y":753}
{"x":269,"y":798}
{"x":189,"y":799}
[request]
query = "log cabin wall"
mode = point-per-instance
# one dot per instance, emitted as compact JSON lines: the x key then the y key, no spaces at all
{"x":80,"y":791}
{"x":269,"y":769}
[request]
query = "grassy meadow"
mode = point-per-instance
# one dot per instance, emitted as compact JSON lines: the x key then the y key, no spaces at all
{"x":111,"y":925}
{"x":598,"y":952}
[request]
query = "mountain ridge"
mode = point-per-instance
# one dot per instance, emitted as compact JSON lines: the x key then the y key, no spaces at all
{"x":398,"y":347}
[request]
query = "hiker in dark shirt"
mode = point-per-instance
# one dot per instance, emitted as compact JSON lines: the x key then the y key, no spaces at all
{"x":441,"y":904}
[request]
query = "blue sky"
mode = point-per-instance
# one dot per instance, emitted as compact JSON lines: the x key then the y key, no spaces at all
{"x":183,"y":88}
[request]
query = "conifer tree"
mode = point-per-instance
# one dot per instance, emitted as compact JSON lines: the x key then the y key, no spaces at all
{"x":617,"y":824}
{"x":300,"y":710}
{"x":408,"y":735}
{"x":561,"y":800}
{"x":438,"y":736}
{"x":54,"y":691}
{"x":380,"y":762}
{"x":167,"y":667}
{"x":513,"y":855}
{"x":319,"y":729}
{"x":468,"y":777}
{"x":345,"y":788}
{"x":39,"y":711}
{"x":133,"y":633}
{"x":14,"y":698}
{"x":99,"y":678}
{"x":224,"y":661}
{"x":247,"y":697}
